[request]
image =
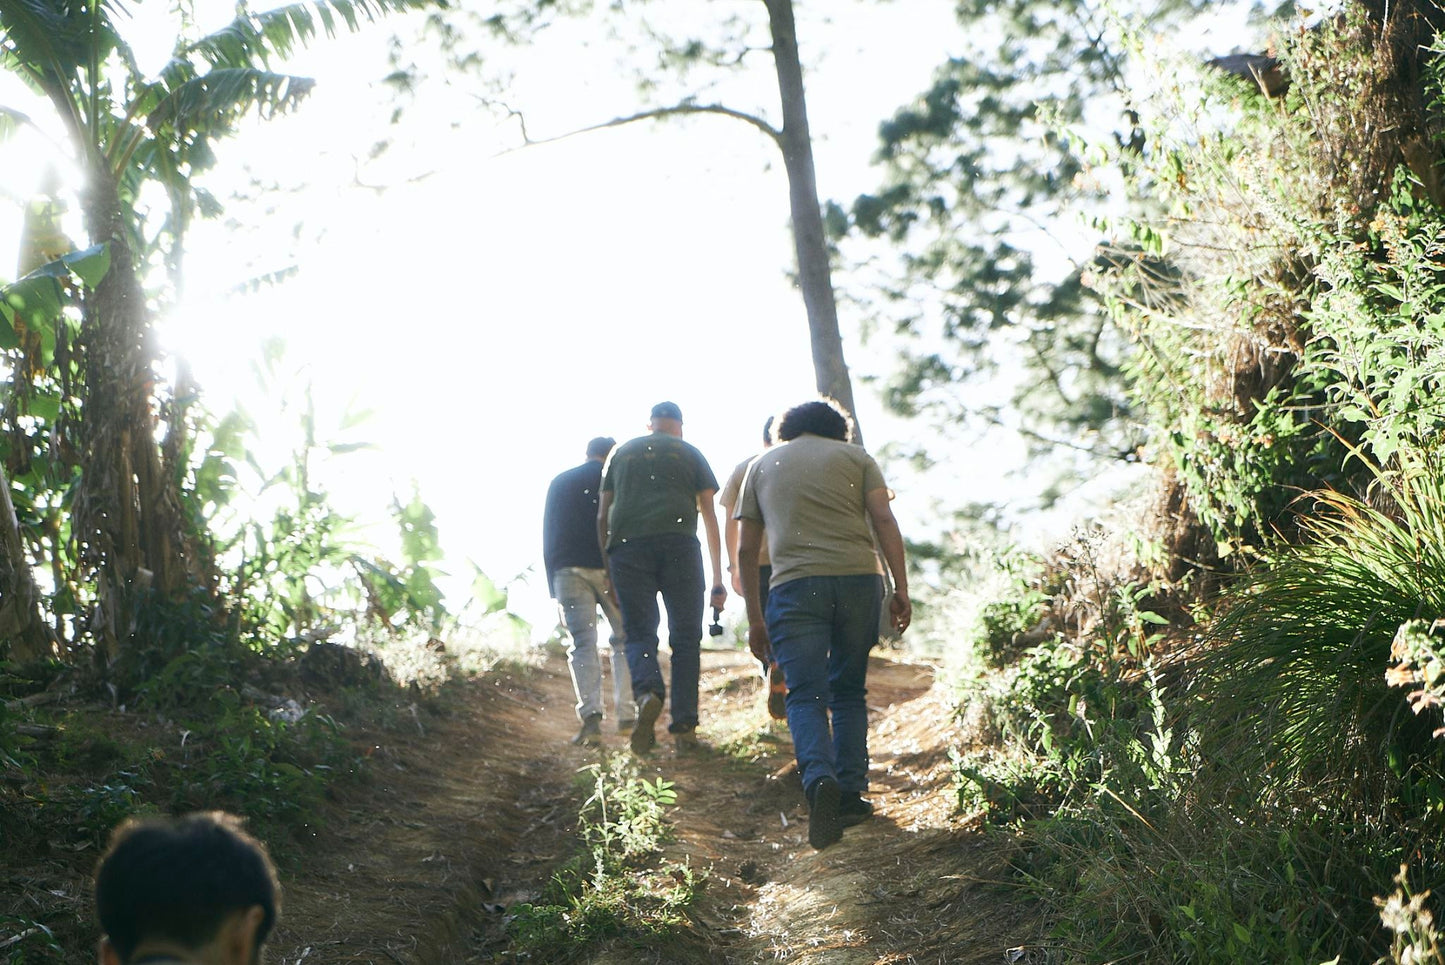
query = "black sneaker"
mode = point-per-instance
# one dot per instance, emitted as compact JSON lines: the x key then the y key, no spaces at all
{"x":649,"y":708}
{"x":591,"y":732}
{"x":852,"y":809}
{"x":625,"y":726}
{"x":824,"y":824}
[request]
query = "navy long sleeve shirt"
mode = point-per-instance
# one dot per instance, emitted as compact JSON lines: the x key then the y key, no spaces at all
{"x":569,"y":525}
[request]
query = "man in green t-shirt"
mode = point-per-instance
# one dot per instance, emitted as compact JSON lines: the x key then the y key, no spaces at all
{"x":654,"y":488}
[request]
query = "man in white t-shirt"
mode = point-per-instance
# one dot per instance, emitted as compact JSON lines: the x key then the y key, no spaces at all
{"x":773,"y":682}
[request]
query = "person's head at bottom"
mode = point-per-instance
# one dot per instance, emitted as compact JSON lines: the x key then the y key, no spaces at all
{"x":196,"y":889}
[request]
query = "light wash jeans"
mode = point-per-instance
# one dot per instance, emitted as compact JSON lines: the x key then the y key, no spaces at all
{"x":580,"y":591}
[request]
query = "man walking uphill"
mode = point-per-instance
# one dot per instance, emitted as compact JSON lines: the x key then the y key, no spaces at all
{"x":577,"y":579}
{"x":816,"y":495}
{"x":653,"y":490}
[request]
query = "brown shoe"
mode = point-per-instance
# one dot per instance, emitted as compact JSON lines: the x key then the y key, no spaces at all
{"x":777,"y":693}
{"x":591,"y":733}
{"x":686,"y":742}
{"x":649,"y":708}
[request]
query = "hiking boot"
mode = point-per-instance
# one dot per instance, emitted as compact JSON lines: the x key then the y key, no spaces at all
{"x":648,"y":710}
{"x":625,"y":726}
{"x":852,"y":809}
{"x":686,"y":742}
{"x":825,"y":826}
{"x":777,"y":693}
{"x":591,"y":732}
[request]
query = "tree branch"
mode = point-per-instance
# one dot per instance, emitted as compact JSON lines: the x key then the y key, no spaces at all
{"x":656,"y":113}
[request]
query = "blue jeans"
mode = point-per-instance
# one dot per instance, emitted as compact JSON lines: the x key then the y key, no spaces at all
{"x":672,"y":566}
{"x":579,"y":593}
{"x":822,"y":628}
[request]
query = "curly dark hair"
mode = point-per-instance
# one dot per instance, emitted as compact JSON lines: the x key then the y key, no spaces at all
{"x":824,"y":418}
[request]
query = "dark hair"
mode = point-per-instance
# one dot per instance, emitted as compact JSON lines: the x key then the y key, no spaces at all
{"x":768,"y":431}
{"x":179,"y":879}
{"x":824,"y":418}
{"x":599,"y":448}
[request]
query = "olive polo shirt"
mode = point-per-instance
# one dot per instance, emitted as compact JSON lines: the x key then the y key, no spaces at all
{"x":654,"y":481}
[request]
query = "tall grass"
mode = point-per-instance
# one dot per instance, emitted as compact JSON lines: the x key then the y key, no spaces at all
{"x":1252,"y":801}
{"x":1298,"y":679}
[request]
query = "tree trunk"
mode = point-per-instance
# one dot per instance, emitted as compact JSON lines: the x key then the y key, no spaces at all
{"x":22,"y":625}
{"x":814,"y":272}
{"x":127,"y":514}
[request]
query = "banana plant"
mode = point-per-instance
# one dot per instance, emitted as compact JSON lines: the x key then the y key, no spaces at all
{"x":128,"y":132}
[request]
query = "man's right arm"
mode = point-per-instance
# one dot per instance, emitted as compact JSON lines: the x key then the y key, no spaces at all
{"x":549,"y":534}
{"x":730,"y":543}
{"x":750,"y":545}
{"x":604,"y":505}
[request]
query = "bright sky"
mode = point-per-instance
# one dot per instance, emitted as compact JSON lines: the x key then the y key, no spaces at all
{"x":498,"y":313}
{"x":505,"y":308}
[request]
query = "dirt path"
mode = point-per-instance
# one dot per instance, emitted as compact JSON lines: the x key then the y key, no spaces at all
{"x":467,"y":813}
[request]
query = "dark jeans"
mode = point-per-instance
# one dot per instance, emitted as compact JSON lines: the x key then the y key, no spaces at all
{"x":822,"y":628}
{"x":670,"y":566}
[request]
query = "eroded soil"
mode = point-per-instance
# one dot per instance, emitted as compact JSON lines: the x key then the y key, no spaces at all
{"x":470,"y":803}
{"x":469,"y":813}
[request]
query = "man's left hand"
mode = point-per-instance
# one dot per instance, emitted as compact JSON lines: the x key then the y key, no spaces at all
{"x":719,"y":596}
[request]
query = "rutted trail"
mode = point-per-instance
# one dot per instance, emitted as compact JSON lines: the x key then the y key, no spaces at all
{"x":470,"y":812}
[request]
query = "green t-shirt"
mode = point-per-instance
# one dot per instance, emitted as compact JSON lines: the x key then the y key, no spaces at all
{"x":809,"y":494}
{"x":654,"y":481}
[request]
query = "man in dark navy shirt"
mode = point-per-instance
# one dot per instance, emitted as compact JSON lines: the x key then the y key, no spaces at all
{"x":577,"y":579}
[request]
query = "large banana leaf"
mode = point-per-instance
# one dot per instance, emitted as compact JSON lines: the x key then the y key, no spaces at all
{"x":213,"y":102}
{"x":10,"y":122}
{"x":49,"y":43}
{"x":38,"y":299}
{"x":254,"y":38}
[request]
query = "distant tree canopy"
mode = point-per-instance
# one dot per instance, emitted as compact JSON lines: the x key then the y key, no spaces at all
{"x":976,"y":253}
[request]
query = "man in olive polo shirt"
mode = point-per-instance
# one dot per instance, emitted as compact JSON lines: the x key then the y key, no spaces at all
{"x":816,"y":496}
{"x":654,"y":488}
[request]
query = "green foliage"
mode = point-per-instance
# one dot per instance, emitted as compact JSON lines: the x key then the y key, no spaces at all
{"x":1380,"y":323}
{"x":131,"y":134}
{"x":1015,"y":611}
{"x":616,"y":888}
{"x":1418,"y":656}
{"x":973,"y":265}
{"x":27,"y":942}
{"x":1248,"y":805}
{"x":1288,"y":303}
{"x":307,"y":570}
{"x":273,"y":770}
{"x":98,"y":808}
{"x":38,"y":301}
{"x":1311,"y":635}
